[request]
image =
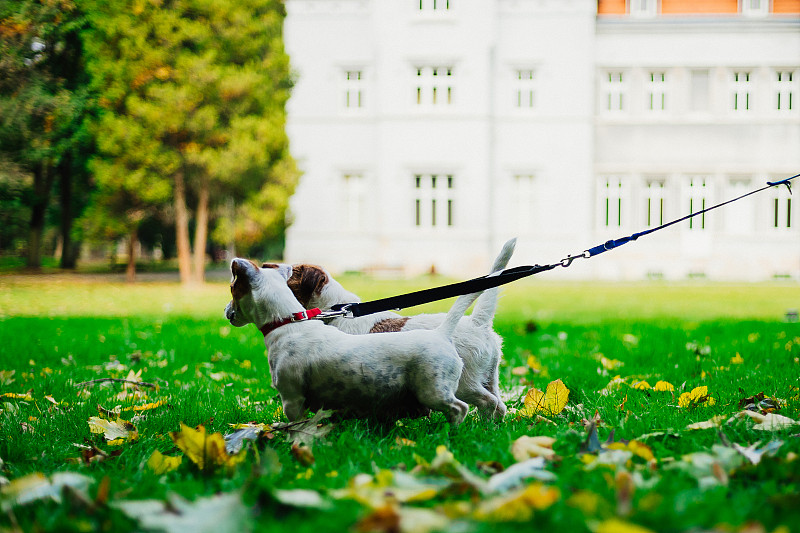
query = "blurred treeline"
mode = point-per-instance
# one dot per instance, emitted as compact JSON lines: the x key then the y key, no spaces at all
{"x":153,"y":122}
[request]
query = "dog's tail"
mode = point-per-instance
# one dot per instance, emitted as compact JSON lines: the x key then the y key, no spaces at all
{"x":456,"y":312}
{"x":486,"y":306}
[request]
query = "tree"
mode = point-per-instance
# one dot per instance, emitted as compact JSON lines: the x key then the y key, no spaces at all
{"x":202,"y":85}
{"x":43,"y":104}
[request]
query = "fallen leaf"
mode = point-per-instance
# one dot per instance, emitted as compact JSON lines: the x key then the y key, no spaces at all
{"x":615,"y":525}
{"x":551,"y":402}
{"x":234,"y":442}
{"x":26,"y":396}
{"x":697,"y":397}
{"x":614,"y":385}
{"x":663,"y":386}
{"x":302,"y":454}
{"x":215,"y":514}
{"x":713,"y":422}
{"x":206,"y":451}
{"x":306,"y":431}
{"x":761,"y":403}
{"x":754,"y":454}
{"x":305,"y":498}
{"x":113,"y":430}
{"x":516,"y":474}
{"x":161,"y":464}
{"x":767,"y":422}
{"x":517,"y":506}
{"x":701,"y":465}
{"x":388,"y":486}
{"x":37,"y":486}
{"x":527,"y":447}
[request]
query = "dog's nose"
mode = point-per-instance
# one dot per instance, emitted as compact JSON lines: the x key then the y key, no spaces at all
{"x":230,"y":312}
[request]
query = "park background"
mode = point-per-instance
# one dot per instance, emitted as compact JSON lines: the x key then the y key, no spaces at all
{"x":164,"y":137}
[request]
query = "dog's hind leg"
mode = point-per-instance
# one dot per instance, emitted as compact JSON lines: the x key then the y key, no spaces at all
{"x":489,"y":404}
{"x":444,"y":401}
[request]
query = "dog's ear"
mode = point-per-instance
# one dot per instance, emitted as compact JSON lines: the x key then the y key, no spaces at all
{"x":240,"y":277}
{"x":306,"y":281}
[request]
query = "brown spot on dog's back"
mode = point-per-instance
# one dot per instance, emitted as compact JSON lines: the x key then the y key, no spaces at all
{"x":389,"y":325}
{"x":306,"y":281}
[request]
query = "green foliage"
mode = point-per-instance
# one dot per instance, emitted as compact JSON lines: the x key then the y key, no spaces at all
{"x":44,"y":102}
{"x":192,"y":87}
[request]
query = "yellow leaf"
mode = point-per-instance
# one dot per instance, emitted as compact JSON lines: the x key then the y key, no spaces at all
{"x":527,"y":447}
{"x":641,"y":385}
{"x":26,"y":396}
{"x":615,"y":525}
{"x":147,"y":406}
{"x":161,"y":464}
{"x":737,"y":359}
{"x":519,"y":505}
{"x":113,"y":430}
{"x":664,"y":386}
{"x":698,"y":396}
{"x":550,"y":402}
{"x":206,"y":451}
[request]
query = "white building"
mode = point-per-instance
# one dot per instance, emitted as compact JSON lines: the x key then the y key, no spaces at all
{"x":430,"y":131}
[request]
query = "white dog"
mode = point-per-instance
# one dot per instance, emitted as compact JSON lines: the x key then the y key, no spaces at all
{"x":315,"y":366}
{"x":478,"y":345}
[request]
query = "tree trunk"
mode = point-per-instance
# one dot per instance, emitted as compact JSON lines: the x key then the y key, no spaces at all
{"x":130,"y":271}
{"x":182,"y":230}
{"x":201,"y":232}
{"x":42,"y":183}
{"x":68,"y":255}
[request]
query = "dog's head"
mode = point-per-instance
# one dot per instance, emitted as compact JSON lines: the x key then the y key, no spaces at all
{"x":306,"y":283}
{"x":259,"y":294}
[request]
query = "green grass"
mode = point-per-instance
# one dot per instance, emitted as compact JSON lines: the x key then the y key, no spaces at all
{"x":56,"y":332}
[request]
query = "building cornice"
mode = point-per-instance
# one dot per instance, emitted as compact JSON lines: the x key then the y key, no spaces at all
{"x":695,"y":24}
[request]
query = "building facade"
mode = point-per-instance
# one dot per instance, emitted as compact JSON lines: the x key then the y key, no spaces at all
{"x":430,"y":131}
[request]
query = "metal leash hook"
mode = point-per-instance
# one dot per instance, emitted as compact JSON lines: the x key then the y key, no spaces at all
{"x":567,"y":261}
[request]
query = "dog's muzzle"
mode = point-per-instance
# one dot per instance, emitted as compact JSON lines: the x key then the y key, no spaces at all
{"x":230,"y":312}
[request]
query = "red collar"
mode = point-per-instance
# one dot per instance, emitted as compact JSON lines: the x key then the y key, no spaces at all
{"x":296,"y":317}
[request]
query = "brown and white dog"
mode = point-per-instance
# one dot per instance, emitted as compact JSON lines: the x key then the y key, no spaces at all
{"x":478,"y":345}
{"x":316,"y":366}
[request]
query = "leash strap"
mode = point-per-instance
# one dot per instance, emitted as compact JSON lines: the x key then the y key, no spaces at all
{"x":496,"y":279}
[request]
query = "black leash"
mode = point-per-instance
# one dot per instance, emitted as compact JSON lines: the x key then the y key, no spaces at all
{"x":496,"y":279}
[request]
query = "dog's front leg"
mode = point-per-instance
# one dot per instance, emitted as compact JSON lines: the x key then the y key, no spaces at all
{"x":293,"y":407}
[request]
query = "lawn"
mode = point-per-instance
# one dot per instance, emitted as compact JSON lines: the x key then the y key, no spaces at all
{"x":617,"y":457}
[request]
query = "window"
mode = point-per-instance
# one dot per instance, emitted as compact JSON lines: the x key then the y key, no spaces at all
{"x":611,"y":193}
{"x":740,"y":89}
{"x":739,"y":216}
{"x":699,"y":100}
{"x":655,"y":202}
{"x":433,"y":201}
{"x":614,"y":91}
{"x":355,"y":196}
{"x":785,"y":90}
{"x":781,"y":209}
{"x":525,"y":89}
{"x":755,"y":8}
{"x":353,"y":89}
{"x":434,"y":86}
{"x":524,"y":201}
{"x":657,"y":91}
{"x":696,"y":198}
{"x":644,"y":8}
{"x":434,"y":5}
